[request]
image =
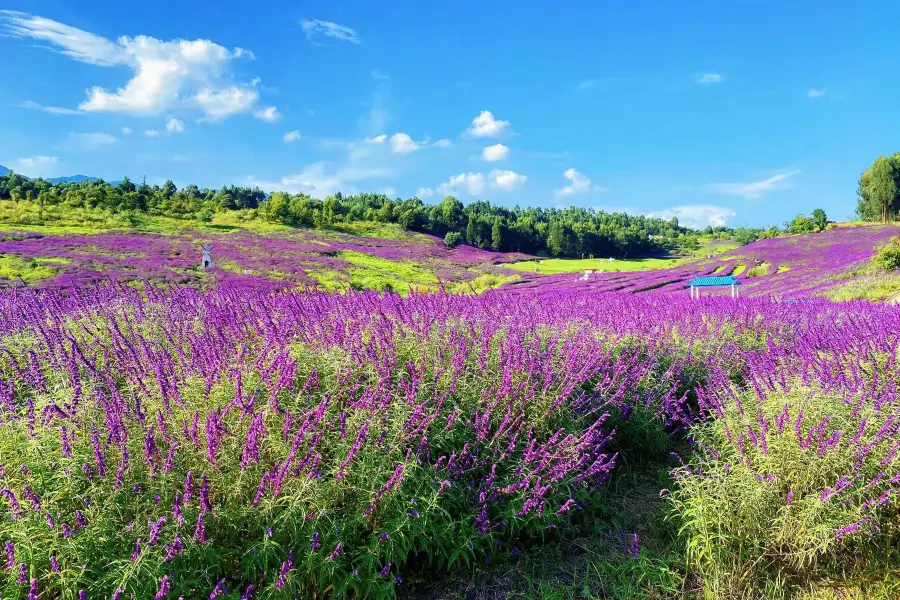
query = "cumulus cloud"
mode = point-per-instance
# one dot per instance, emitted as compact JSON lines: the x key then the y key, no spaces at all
{"x":35,"y":166}
{"x":475,"y":184}
{"x":754,"y":189}
{"x":697,"y":216}
{"x":127,"y":131}
{"x":315,"y":28}
{"x":378,"y":139}
{"x":402,"y":143}
{"x":445,"y":143}
{"x":814,"y":93}
{"x":578,"y":184}
{"x":485,"y":125}
{"x":269,"y":114}
{"x":174,"y":126}
{"x":292,"y":136}
{"x":165,"y":74}
{"x":709,"y":78}
{"x":53,"y":110}
{"x":495,"y":153}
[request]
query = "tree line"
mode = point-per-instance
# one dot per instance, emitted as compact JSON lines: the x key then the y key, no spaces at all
{"x":561,"y":232}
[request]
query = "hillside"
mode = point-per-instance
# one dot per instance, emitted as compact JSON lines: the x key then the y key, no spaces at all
{"x":834,"y":263}
{"x":829,"y":263}
{"x":379,"y":257}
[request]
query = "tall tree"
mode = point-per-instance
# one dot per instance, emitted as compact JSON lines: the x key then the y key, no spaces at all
{"x":820,"y":219}
{"x":497,"y":235}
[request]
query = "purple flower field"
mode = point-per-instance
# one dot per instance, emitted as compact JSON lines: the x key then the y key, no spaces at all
{"x":241,"y":443}
{"x":275,"y":260}
{"x":784,"y":267}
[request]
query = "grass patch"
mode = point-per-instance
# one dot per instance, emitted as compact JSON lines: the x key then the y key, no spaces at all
{"x":29,"y":270}
{"x":552,"y":266}
{"x":481,"y":283}
{"x":403,"y":271}
{"x":782,"y":269}
{"x":875,"y":288}
{"x":738,"y":270}
{"x":759,"y":270}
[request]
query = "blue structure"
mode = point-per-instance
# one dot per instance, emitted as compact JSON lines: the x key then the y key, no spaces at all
{"x":702,"y":282}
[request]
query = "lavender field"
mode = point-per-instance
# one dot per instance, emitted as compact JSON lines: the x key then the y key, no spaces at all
{"x":790,"y":267}
{"x":283,"y":259}
{"x":238,"y":443}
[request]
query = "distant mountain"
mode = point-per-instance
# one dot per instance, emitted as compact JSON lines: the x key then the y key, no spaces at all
{"x":72,"y":179}
{"x":67,"y":179}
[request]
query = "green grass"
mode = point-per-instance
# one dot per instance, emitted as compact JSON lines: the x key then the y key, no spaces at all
{"x":760,"y":270}
{"x":552,"y":266}
{"x":30,"y":270}
{"x":875,"y":288}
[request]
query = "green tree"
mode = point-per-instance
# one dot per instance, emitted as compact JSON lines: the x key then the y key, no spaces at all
{"x":497,"y":235}
{"x":820,"y":219}
{"x":452,"y":239}
{"x":877,"y":191}
{"x":452,"y":213}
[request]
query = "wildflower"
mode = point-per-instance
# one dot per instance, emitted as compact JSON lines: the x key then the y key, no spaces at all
{"x":315,"y":544}
{"x":248,"y":592}
{"x":200,"y":530}
{"x":385,"y":571}
{"x":336,"y":552}
{"x":22,"y":579}
{"x":285,"y":567}
{"x":54,"y":564}
{"x":217,"y":590}
{"x":565,"y":507}
{"x":82,"y":595}
{"x":383,"y":537}
{"x":33,"y":590}
{"x":10,"y":555}
{"x":790,"y":498}
{"x":164,"y":588}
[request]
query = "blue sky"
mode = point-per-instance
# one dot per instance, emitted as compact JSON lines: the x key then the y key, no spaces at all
{"x":740,"y":112}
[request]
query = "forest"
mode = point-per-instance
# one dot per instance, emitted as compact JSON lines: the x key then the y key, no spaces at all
{"x":560,"y":232}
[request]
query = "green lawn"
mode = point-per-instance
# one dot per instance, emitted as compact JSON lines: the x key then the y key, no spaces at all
{"x":551,"y":266}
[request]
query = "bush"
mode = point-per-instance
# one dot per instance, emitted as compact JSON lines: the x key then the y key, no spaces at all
{"x":888,"y":256}
{"x":452,"y":239}
{"x":791,"y":490}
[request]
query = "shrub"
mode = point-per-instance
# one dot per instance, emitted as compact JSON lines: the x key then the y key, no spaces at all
{"x":888,"y":256}
{"x":452,"y":239}
{"x":791,"y":490}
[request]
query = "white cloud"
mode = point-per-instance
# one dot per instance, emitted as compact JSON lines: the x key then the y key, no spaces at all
{"x":152,"y":132}
{"x":507,"y":181}
{"x":89,"y":141}
{"x":587,"y":83}
{"x":495,"y":153}
{"x":485,"y":125}
{"x":814,"y":93}
{"x":401,"y":143}
{"x":165,"y":74}
{"x":127,"y":131}
{"x":53,"y":110}
{"x":35,"y":166}
{"x":378,"y":139}
{"x":445,"y":143}
{"x":475,"y":184}
{"x":578,"y":184}
{"x":320,"y":180}
{"x":292,"y":136}
{"x":174,"y":126}
{"x":697,"y":216}
{"x":755,"y":189}
{"x":269,"y":114}
{"x":710,"y":78}
{"x":221,"y":104}
{"x":315,"y":27}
